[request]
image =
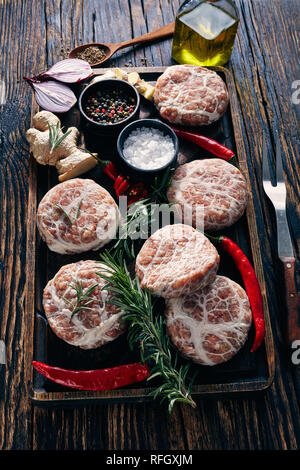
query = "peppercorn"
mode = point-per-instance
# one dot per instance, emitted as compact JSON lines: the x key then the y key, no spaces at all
{"x":110,"y":106}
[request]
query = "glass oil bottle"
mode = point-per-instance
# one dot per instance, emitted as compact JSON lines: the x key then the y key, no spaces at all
{"x":205,"y":31}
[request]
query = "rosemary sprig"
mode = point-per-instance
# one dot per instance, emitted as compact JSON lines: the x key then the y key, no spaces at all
{"x":54,"y":138}
{"x":127,"y":243}
{"x":83,"y":298}
{"x":141,"y":213}
{"x":146,"y":330}
{"x":78,"y":209}
{"x":158,"y":191}
{"x":64,"y":212}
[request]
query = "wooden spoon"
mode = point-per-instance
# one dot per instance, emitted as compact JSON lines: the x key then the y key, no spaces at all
{"x":110,"y":49}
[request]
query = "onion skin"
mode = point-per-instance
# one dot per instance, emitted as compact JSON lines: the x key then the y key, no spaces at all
{"x":52,"y":95}
{"x":68,"y":71}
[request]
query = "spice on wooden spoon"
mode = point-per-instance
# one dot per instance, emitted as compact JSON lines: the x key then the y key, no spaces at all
{"x":92,"y":54}
{"x":110,"y":49}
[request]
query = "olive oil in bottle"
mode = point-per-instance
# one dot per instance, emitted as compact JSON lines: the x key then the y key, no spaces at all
{"x":204,"y":32}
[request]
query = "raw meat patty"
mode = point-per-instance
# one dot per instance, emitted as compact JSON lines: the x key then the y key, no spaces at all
{"x":176,"y":260}
{"x":214,"y":185}
{"x":211,"y":325}
{"x":89,"y":327}
{"x":93,"y":212}
{"x":190,"y":95}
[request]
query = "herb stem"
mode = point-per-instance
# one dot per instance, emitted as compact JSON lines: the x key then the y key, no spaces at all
{"x":64,"y":212}
{"x":83,"y":298}
{"x":78,"y":209}
{"x":54,"y":138}
{"x":142,"y":211}
{"x":146,"y":330}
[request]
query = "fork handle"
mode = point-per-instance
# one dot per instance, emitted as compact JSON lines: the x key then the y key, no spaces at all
{"x":292,"y":300}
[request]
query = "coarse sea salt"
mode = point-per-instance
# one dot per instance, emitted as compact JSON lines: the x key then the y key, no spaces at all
{"x":148,"y":148}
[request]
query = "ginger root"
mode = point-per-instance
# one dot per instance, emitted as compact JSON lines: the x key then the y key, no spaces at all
{"x":69,"y":160}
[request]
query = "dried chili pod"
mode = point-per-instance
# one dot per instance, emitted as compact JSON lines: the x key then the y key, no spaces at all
{"x":97,"y":379}
{"x":251,"y":284}
{"x":207,"y":143}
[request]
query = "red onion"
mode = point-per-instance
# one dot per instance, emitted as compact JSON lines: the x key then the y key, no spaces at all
{"x":52,"y":96}
{"x":68,"y":71}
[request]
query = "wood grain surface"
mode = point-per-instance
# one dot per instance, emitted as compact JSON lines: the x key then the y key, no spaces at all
{"x":265,"y":63}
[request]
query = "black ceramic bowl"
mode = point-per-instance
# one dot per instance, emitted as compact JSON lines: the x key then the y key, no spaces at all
{"x":114,"y":129}
{"x":146,"y":175}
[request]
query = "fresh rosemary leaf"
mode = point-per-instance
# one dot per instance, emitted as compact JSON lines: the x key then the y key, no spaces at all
{"x":143,"y":212}
{"x":78,"y":209}
{"x":54,"y":138}
{"x":83,"y":298}
{"x":58,"y":141}
{"x":64,"y":212}
{"x":146,"y":330}
{"x":140,"y":213}
{"x":158,"y":191}
{"x":68,"y":301}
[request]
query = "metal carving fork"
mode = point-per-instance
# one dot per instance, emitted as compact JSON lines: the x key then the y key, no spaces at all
{"x":277,"y":195}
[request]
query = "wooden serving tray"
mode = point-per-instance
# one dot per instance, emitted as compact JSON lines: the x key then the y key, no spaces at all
{"x":246,"y":373}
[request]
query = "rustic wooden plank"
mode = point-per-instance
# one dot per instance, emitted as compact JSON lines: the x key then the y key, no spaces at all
{"x":156,"y":15}
{"x":113,"y":419}
{"x":17,"y":23}
{"x":260,"y":67}
{"x":258,"y":60}
{"x":141,"y":437}
{"x":59,"y":29}
{"x":264,"y":101}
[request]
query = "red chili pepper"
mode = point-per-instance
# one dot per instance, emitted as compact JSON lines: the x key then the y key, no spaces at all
{"x":99,"y":379}
{"x":136,"y":198}
{"x":251,"y":285}
{"x":136,"y":192}
{"x":109,"y":169}
{"x":122,"y":188}
{"x":119,"y":180}
{"x":206,"y":143}
{"x":136,"y":189}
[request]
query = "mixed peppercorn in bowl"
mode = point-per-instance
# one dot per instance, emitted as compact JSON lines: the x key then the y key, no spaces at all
{"x":108,"y":106}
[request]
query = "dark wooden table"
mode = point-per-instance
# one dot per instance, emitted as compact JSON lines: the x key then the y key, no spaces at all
{"x":265,"y":64}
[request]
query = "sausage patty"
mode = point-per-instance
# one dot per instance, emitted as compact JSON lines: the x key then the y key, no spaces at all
{"x":176,"y":260}
{"x":214,"y":185}
{"x":190,"y":95}
{"x":90,"y":323}
{"x":211,"y":325}
{"x":76,"y":216}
